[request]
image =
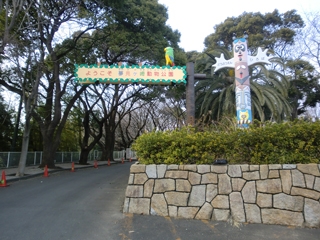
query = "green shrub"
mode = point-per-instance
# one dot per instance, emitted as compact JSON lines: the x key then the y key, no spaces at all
{"x":290,"y":142}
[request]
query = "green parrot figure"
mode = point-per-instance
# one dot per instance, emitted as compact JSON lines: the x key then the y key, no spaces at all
{"x":169,"y":56}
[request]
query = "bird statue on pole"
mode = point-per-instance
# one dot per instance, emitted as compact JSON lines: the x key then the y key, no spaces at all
{"x":169,"y":56}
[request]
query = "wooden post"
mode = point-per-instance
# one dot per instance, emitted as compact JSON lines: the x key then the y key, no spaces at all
{"x":190,"y":96}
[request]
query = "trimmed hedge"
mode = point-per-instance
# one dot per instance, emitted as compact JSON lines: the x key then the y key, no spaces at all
{"x":285,"y":143}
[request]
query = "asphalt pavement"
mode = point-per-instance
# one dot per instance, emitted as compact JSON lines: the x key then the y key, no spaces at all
{"x":87,"y":205}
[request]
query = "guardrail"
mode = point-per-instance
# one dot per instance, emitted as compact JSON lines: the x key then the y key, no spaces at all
{"x":11,"y":159}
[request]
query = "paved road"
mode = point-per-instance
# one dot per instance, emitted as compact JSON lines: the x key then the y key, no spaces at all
{"x":87,"y":205}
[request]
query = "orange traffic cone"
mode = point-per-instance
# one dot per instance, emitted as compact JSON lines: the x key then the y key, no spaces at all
{"x":72,"y":168}
{"x":3,"y":182}
{"x":46,"y":172}
{"x":130,"y":159}
{"x":122,"y":161}
{"x":96,"y":164}
{"x":108,"y":162}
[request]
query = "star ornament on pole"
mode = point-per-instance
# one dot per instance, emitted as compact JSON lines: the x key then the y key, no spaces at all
{"x":241,"y":62}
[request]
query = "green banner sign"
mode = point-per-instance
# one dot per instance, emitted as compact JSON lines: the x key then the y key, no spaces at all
{"x":124,"y":74}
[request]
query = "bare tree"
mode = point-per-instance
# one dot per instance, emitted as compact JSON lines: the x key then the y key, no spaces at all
{"x":13,"y":27}
{"x":311,"y":38}
{"x":118,"y":101}
{"x":30,"y":101}
{"x":57,"y":93}
{"x":26,"y":61}
{"x":309,"y":49}
{"x":132,"y":125}
{"x":167,"y":113}
{"x":92,"y":123}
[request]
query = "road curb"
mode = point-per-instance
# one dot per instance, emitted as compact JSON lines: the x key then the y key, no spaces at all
{"x":57,"y":170}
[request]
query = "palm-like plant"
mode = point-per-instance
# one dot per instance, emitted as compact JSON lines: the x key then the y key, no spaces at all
{"x":216,"y":95}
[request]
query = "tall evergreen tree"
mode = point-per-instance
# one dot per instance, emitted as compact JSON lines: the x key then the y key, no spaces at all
{"x":304,"y":88}
{"x":274,"y":31}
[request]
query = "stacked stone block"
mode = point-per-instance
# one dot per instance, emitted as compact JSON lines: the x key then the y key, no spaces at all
{"x":286,"y":194}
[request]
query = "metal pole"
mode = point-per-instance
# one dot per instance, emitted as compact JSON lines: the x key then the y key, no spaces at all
{"x":200,"y":76}
{"x":8,"y":160}
{"x":190,"y":96}
{"x":35,"y":158}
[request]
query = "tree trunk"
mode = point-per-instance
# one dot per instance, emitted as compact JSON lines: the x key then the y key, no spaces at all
{"x":104,"y":153}
{"x":109,"y":144}
{"x":24,"y":149}
{"x":84,"y":156}
{"x":294,"y":113}
{"x":29,"y":103}
{"x":85,"y":146}
{"x":48,"y":156}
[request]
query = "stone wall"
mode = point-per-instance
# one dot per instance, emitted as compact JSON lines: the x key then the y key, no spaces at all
{"x":270,"y":194}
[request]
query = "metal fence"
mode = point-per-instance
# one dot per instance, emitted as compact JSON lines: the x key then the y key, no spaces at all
{"x":119,"y":154}
{"x":11,"y":159}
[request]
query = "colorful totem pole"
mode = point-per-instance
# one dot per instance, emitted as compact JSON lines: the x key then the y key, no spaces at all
{"x":241,"y":62}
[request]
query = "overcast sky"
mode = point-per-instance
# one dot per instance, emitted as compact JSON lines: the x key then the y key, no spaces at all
{"x":195,"y":19}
